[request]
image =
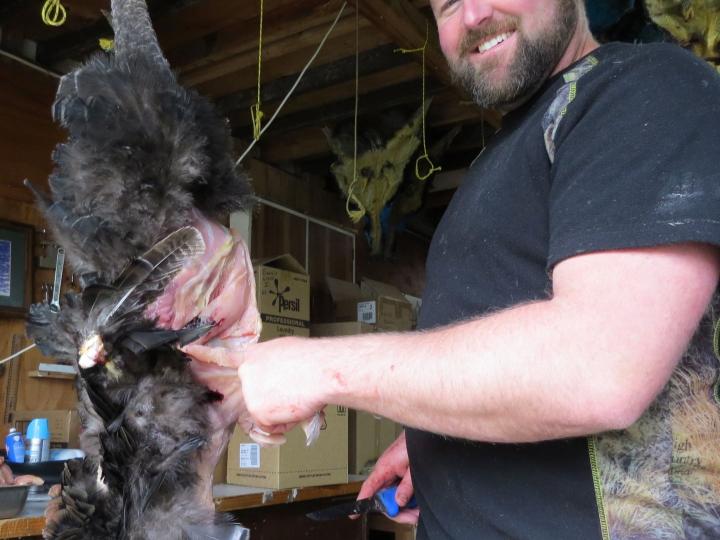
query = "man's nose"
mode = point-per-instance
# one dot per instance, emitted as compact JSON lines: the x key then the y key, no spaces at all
{"x":475,"y":12}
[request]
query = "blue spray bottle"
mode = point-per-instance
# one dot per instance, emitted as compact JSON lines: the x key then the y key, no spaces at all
{"x":15,"y":446}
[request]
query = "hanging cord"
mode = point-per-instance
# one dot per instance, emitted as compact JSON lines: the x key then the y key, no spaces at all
{"x":425,"y":156}
{"x":53,"y":13}
{"x":255,"y":111}
{"x":355,"y":215}
{"x":294,"y":86}
{"x":15,"y":355}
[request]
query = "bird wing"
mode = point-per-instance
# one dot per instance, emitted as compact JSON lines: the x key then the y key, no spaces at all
{"x":143,"y":280}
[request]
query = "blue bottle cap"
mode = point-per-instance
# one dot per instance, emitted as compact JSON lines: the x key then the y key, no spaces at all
{"x":38,"y":429}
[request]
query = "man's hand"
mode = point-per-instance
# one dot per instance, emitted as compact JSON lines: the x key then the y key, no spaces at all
{"x":393,"y":465}
{"x":282,"y":383}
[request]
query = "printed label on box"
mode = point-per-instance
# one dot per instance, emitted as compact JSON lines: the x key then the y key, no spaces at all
{"x":249,"y":456}
{"x":366,"y":312}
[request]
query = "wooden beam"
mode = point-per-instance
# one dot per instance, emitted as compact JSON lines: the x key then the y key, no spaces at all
{"x":280,"y":23}
{"x":345,"y":90}
{"x":372,"y":61}
{"x":407,"y":93}
{"x":294,"y":145}
{"x":78,"y":42}
{"x":405,"y":25}
{"x":200,"y":18}
{"x":24,"y":17}
{"x":309,"y":38}
{"x":337,"y":46}
{"x":174,"y":26}
{"x":309,"y":141}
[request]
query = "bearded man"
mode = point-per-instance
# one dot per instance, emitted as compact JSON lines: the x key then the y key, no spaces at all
{"x":563,"y":384}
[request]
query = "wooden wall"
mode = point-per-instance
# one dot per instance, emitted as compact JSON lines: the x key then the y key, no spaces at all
{"x":27,"y":137}
{"x":276,"y":232}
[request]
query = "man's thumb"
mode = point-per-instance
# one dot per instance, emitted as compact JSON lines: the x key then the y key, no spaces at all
{"x":404,"y":490}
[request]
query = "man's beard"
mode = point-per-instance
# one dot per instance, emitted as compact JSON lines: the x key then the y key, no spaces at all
{"x":534,"y":60}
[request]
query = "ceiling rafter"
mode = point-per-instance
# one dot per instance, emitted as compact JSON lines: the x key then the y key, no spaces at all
{"x":288,"y":59}
{"x":371,"y":61}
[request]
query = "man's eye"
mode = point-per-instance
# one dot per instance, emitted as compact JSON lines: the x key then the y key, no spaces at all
{"x":447,"y":5}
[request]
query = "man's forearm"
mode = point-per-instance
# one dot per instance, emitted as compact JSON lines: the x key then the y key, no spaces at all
{"x":591,"y":359}
{"x":497,"y":378}
{"x":531,"y":373}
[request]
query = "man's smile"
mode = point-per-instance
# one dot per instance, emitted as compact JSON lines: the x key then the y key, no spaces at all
{"x":492,"y":42}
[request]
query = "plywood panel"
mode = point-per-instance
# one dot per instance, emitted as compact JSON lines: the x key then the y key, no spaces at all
{"x":275,"y":232}
{"x":27,"y":133}
{"x":331,"y":254}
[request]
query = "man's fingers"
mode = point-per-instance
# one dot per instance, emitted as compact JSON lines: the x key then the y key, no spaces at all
{"x":275,"y":429}
{"x":55,"y":491}
{"x":378,"y":479}
{"x":404,"y":490}
{"x":409,"y":516}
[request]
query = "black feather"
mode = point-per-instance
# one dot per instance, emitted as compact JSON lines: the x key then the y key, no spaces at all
{"x":142,"y":153}
{"x":143,"y":157}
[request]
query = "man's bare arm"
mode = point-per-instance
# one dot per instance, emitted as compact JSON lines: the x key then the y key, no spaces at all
{"x":590,"y":359}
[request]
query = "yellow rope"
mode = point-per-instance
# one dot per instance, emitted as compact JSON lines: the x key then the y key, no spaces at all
{"x":299,"y":78}
{"x":425,"y":156}
{"x":255,"y":111}
{"x":106,"y":44}
{"x":53,"y":13}
{"x":355,"y":215}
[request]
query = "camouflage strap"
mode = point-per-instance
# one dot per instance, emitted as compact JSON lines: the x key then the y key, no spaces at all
{"x":559,"y":106}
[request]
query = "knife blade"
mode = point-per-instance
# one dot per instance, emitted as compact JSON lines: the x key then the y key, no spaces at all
{"x":57,"y":283}
{"x":382,"y":502}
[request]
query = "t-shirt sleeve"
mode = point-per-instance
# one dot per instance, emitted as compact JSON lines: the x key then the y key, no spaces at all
{"x":637,"y":159}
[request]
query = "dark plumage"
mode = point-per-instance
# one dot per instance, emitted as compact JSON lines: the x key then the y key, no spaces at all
{"x":142,"y":152}
{"x":142,"y":158}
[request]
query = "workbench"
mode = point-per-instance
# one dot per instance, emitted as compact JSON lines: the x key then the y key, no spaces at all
{"x":273,"y":515}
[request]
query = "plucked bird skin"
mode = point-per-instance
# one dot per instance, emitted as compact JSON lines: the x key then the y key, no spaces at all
{"x":137,"y":197}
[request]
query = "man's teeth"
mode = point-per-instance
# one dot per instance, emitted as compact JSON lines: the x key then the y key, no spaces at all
{"x":486,"y":46}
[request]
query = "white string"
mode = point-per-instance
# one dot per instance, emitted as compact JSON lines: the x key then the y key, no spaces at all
{"x":294,"y":86}
{"x":15,"y":355}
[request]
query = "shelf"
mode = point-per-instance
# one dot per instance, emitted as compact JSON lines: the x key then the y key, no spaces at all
{"x":227,"y":498}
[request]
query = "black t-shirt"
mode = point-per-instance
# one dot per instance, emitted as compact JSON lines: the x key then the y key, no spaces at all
{"x":619,"y":151}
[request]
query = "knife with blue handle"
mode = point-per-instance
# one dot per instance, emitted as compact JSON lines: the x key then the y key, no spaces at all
{"x":383,"y":501}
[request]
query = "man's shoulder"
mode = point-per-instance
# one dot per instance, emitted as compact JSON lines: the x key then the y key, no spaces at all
{"x":638,"y":74}
{"x":663,"y":61}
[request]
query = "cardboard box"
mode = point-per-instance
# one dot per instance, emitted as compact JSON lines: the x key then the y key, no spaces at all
{"x":368,"y":437}
{"x":345,"y":297}
{"x":391,"y":311}
{"x":283,"y":297}
{"x":220,"y":472}
{"x":372,"y":302}
{"x":341,"y":329}
{"x":293,"y":464}
{"x":64,"y":425}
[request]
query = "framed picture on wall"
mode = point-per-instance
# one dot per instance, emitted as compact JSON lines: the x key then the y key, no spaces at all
{"x":16,"y":256}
